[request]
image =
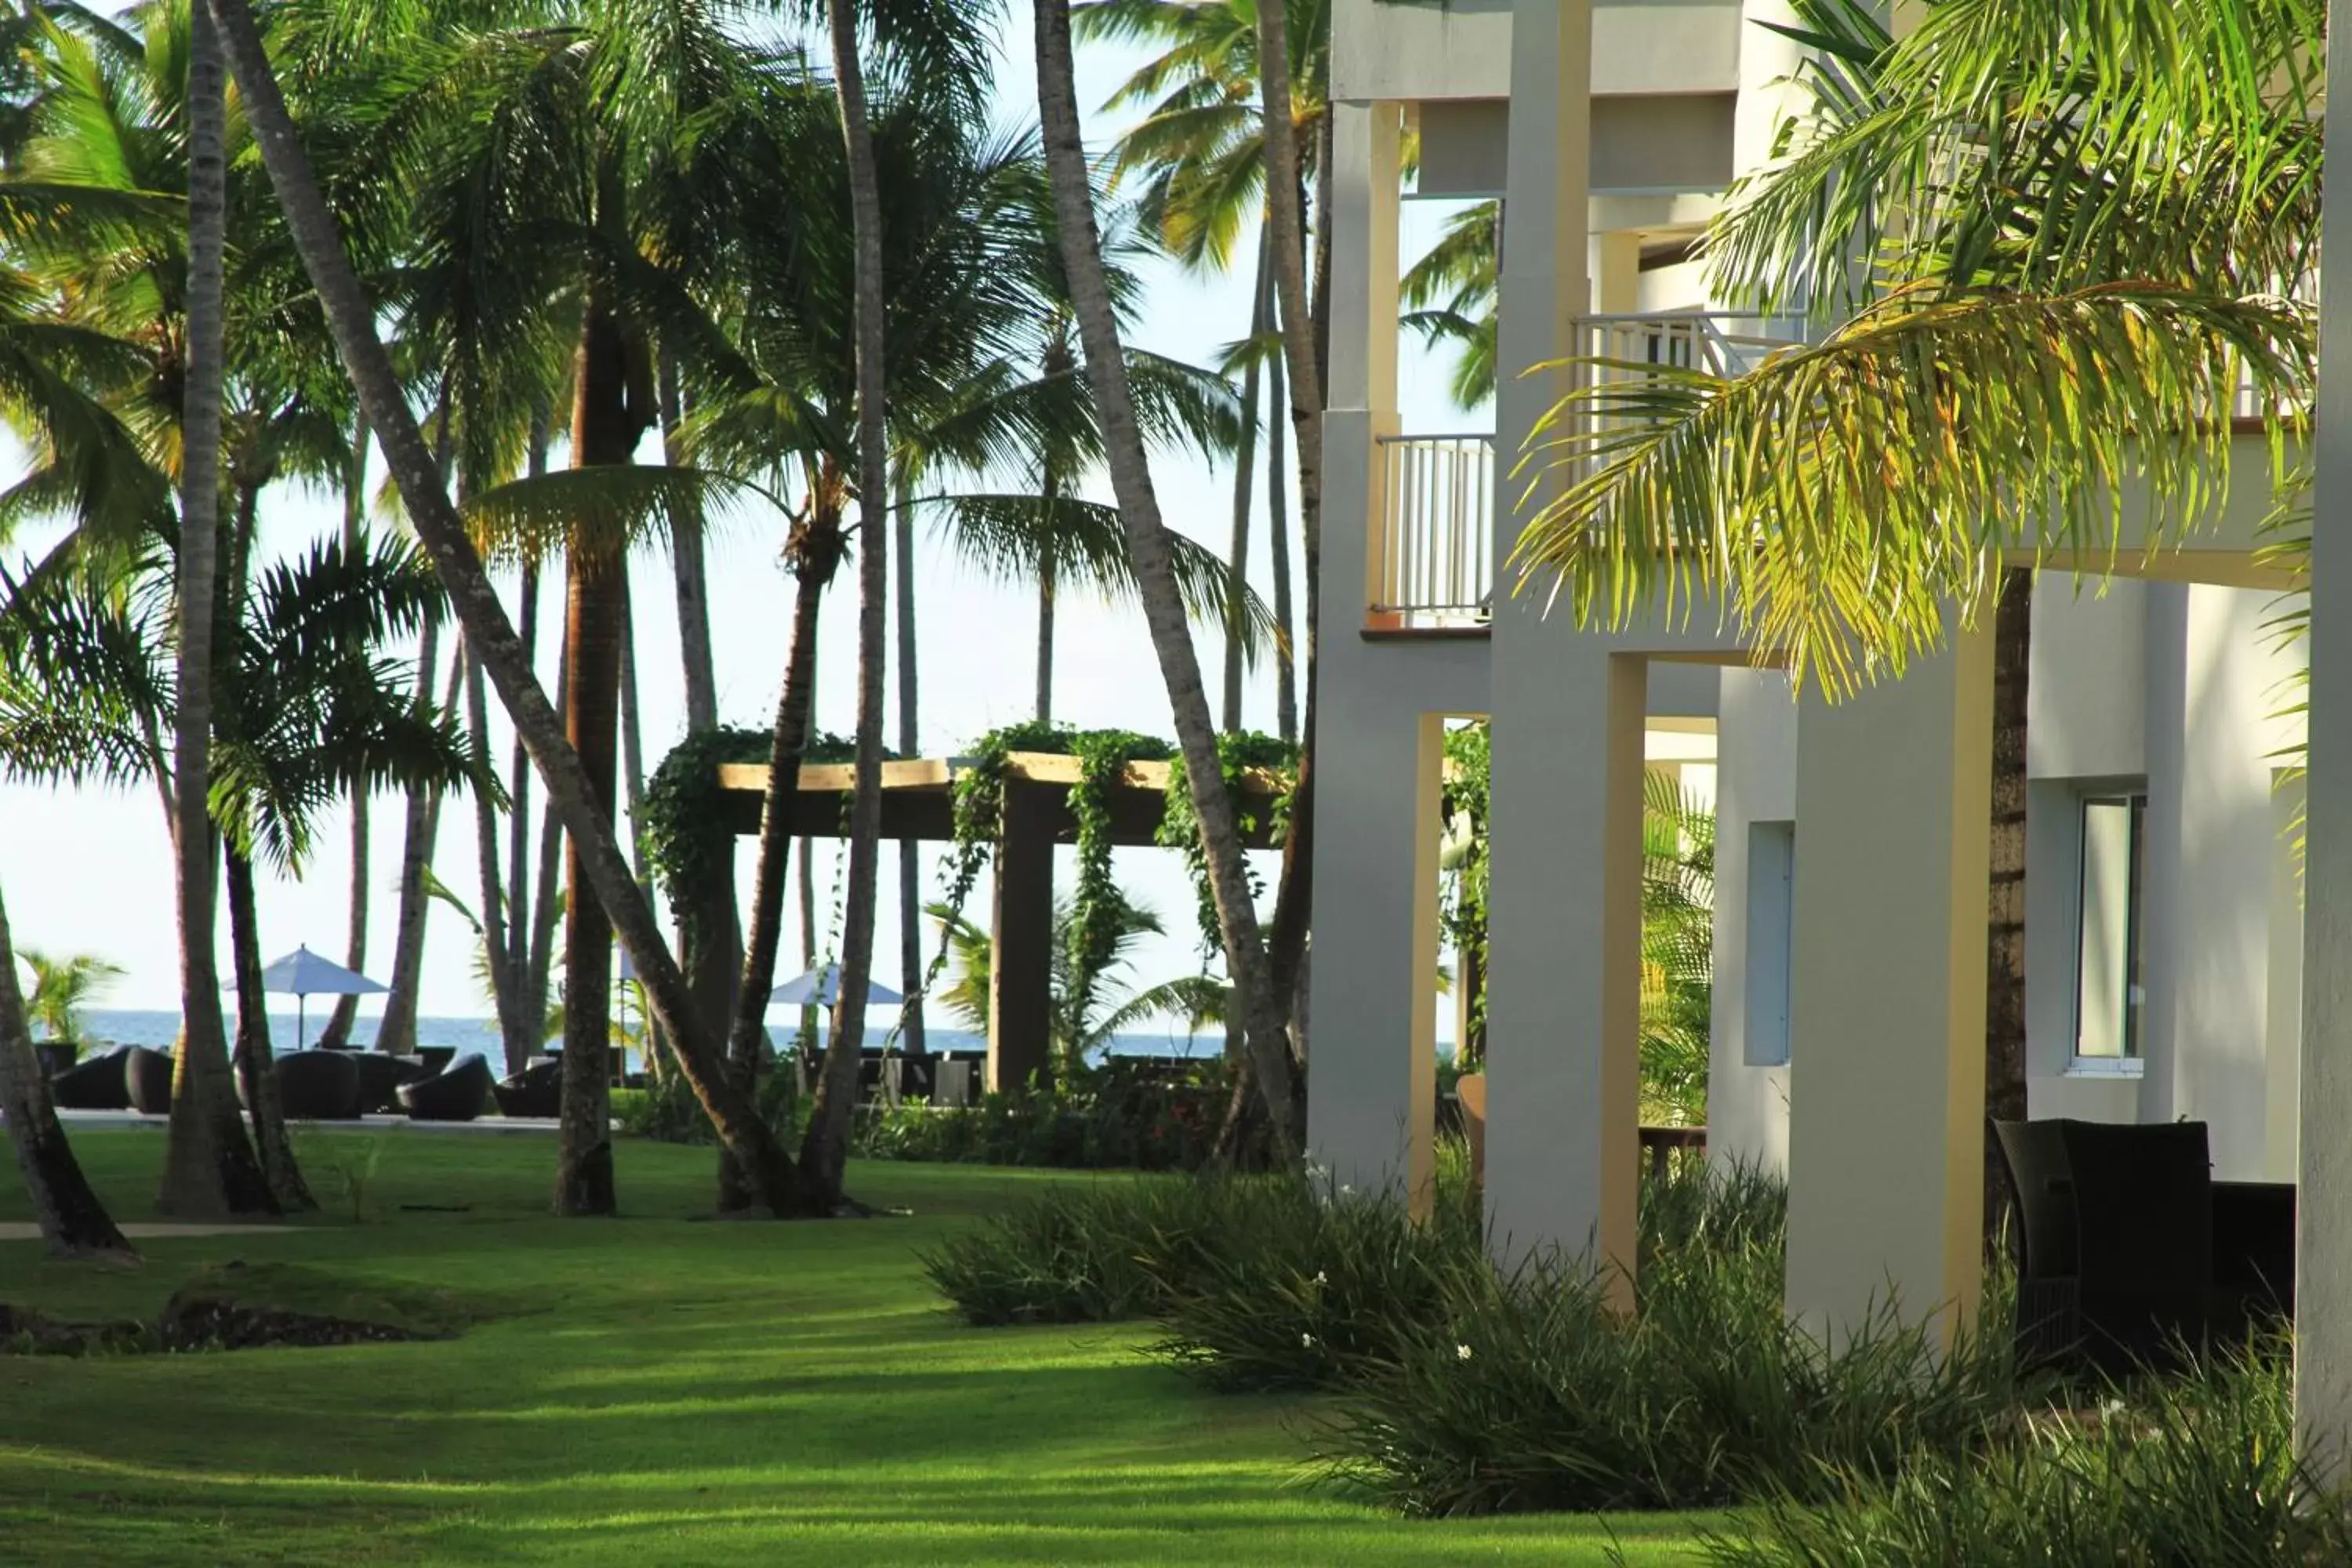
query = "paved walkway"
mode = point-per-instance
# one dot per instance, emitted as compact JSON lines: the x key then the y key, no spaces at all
{"x":492,"y":1126}
{"x":24,"y":1230}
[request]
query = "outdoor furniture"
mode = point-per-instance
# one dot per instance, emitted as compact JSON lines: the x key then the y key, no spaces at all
{"x":2132,"y":1252}
{"x":319,"y":1086}
{"x":56,"y":1057}
{"x":147,"y":1081}
{"x":460,"y":1094}
{"x":436,"y":1058}
{"x":954,"y":1083}
{"x":381,"y":1076}
{"x":98,"y":1084}
{"x":1660,"y":1143}
{"x":536,"y":1091}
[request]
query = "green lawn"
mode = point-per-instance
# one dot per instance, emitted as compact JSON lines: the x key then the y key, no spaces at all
{"x":659,"y":1390}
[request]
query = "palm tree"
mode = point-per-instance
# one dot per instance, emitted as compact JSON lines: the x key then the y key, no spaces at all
{"x":1245,"y":953}
{"x":1086,"y":1018}
{"x":73,"y":1223}
{"x":1450,"y":296}
{"x":1203,"y":152}
{"x":62,"y":985}
{"x":490,"y":635}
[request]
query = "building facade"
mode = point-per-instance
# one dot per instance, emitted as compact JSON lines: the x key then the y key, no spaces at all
{"x":2164,"y":928}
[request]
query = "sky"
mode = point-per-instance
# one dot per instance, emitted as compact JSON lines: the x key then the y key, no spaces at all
{"x":89,"y":871}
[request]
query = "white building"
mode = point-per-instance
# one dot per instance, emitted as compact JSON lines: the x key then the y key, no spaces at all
{"x":2164,"y":928}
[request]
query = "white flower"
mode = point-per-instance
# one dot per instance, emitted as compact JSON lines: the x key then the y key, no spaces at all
{"x":1346,"y":1190}
{"x":1321,"y":1278}
{"x":2112,"y":1407}
{"x":1306,"y":1342}
{"x":1460,"y":1353}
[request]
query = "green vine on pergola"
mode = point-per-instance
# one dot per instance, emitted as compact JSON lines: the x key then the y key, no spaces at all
{"x":682,"y":819}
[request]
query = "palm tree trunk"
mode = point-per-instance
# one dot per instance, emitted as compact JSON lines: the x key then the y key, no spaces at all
{"x":711,"y":937}
{"x":396,"y":1032}
{"x":1244,"y":479}
{"x":516,"y":1028}
{"x":1277,"y":539}
{"x":256,"y":1060}
{"x":337,"y":1035}
{"x":824,"y":1152}
{"x":605,"y":425}
{"x":546,"y":907}
{"x":747,"y":1033}
{"x":910,"y":849}
{"x":1047,"y":605}
{"x":209,"y":1169}
{"x":73,"y":1223}
{"x":521,"y":903}
{"x":2012,"y":667}
{"x":351,"y":316}
{"x":1155,"y":573}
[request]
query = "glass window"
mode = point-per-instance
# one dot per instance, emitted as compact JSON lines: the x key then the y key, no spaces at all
{"x":2109,"y":985}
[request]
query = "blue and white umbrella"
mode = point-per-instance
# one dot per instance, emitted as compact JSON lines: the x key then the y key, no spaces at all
{"x":305,"y":975}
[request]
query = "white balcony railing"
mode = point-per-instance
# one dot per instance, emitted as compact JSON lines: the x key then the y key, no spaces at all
{"x":1434,"y":561}
{"x":1436,"y":565}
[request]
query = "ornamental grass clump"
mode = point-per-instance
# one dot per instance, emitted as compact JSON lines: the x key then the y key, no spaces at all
{"x":1073,"y":1254}
{"x":1531,"y":1391}
{"x":2196,"y":1470}
{"x":1312,"y":1285}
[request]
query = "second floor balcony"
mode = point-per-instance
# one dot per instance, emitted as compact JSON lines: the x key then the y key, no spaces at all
{"x":1439,"y":496}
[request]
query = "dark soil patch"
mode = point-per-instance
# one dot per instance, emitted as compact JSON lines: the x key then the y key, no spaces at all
{"x":235,"y":1308}
{"x":222,"y":1325}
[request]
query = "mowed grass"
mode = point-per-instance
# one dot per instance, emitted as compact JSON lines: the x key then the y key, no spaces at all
{"x":661,"y":1389}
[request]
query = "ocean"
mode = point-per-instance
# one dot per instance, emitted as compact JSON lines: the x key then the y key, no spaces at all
{"x":159,"y":1029}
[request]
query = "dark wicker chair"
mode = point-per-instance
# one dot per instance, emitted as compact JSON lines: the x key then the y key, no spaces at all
{"x":56,"y":1057}
{"x":2254,"y":1258}
{"x":536,"y":1091}
{"x":98,"y":1084}
{"x":381,"y":1076}
{"x":436,"y":1058}
{"x":2144,"y":1211}
{"x":460,"y":1094}
{"x":147,"y":1081}
{"x":319,"y":1086}
{"x":2049,"y":1282}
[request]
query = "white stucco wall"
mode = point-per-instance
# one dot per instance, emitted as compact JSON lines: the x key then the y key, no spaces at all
{"x":1755,"y":781}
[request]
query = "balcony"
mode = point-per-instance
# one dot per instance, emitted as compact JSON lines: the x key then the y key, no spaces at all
{"x":1434,"y":570}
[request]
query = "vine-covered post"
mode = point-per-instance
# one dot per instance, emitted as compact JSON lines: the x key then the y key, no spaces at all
{"x":1021,"y":973}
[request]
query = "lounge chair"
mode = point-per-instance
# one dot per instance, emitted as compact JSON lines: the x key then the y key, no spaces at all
{"x":98,"y":1084}
{"x":319,"y":1086}
{"x":536,"y":1091}
{"x":2143,"y":1206}
{"x":147,"y":1081}
{"x":460,"y":1094}
{"x":2049,"y":1278}
{"x":381,"y":1076}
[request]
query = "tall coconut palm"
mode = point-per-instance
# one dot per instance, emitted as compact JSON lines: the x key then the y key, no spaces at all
{"x":1201,"y":153}
{"x":209,"y":1167}
{"x":769,"y":1175}
{"x":1245,"y":953}
{"x":62,"y":984}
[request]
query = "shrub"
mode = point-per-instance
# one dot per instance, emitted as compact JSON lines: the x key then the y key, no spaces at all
{"x":2196,"y":1470}
{"x":667,"y":1111}
{"x":1122,"y":1114}
{"x":1532,"y":1391}
{"x":1073,"y":1253}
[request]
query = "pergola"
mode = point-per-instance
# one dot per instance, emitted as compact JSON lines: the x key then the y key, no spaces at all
{"x":918,"y":804}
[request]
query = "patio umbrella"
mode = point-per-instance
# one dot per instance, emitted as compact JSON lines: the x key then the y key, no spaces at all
{"x":816,"y":989}
{"x":306,"y":975}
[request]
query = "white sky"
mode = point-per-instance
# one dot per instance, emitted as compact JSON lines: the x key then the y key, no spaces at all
{"x":89,"y":871}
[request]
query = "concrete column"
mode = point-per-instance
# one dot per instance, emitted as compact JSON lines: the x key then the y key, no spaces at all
{"x":2213,"y":688}
{"x":1755,"y":781}
{"x":2282,"y":1019}
{"x":1617,"y":279}
{"x":1019,"y":975}
{"x":1563,"y":1004}
{"x":1363,"y":393}
{"x":1887,"y":1000}
{"x":2323,"y":1365}
{"x":1370,"y":1115}
{"x":1568,"y":739}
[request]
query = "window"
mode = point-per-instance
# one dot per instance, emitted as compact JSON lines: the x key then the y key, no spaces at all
{"x":2109,"y":987}
{"x":1771,"y":884}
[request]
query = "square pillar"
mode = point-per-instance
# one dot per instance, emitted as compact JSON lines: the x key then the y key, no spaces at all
{"x":1021,"y":968}
{"x":1371,"y":1111}
{"x":1361,"y":401}
{"x":1887,"y":995}
{"x":1564,"y":987}
{"x":2323,"y":1344}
